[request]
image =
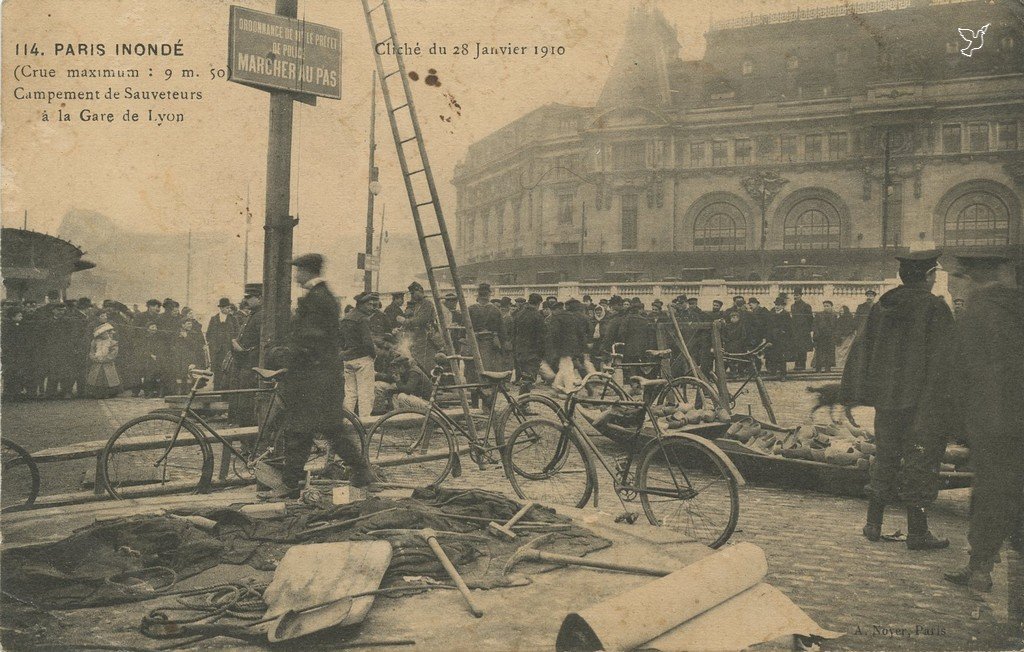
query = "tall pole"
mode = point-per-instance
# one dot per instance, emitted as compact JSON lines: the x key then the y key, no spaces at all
{"x":886,"y":181}
{"x":371,"y":187}
{"x":583,"y":236}
{"x":248,"y":223}
{"x":278,"y":224}
{"x":26,"y":220}
{"x":188,"y":270}
{"x":380,"y":243}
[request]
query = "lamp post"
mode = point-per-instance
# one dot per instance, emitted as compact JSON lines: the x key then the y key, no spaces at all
{"x":763,"y":186}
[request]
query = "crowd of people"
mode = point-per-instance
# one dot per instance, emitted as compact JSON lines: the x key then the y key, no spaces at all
{"x":74,"y":348}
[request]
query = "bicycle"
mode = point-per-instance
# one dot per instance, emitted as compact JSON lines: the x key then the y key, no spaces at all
{"x":172,"y":453}
{"x":419,"y":446}
{"x":681,"y":480}
{"x":19,"y":477}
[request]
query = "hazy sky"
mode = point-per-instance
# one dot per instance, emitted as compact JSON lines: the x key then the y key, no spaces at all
{"x":196,"y":174}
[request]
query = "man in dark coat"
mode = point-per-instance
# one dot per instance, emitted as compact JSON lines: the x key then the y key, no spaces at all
{"x":490,"y":337}
{"x":246,"y":353}
{"x":359,"y":352}
{"x":779,"y":333}
{"x":394,"y":311}
{"x":901,"y":364}
{"x":313,"y":390}
{"x":803,"y":323}
{"x":564,"y":345}
{"x":528,"y":342}
{"x":420,"y":322}
{"x":635,"y":332}
{"x":864,"y":309}
{"x":990,"y":374}
{"x":825,"y":337}
{"x":223,"y":328}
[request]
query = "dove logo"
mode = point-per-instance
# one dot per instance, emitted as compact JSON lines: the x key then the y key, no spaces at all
{"x":975,"y":39}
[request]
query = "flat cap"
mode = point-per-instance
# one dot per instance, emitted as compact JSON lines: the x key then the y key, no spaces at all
{"x":451,"y":297}
{"x":254,"y":289}
{"x":506,"y":301}
{"x":156,"y":302}
{"x":415,"y":286}
{"x":924,"y":256}
{"x":520,"y":300}
{"x":311,"y":262}
{"x":483,"y":288}
{"x":363,"y":297}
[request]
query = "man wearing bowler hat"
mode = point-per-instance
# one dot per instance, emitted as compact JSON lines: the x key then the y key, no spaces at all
{"x":358,"y":352}
{"x":313,"y":390}
{"x":223,"y":328}
{"x":990,"y":374}
{"x":901,"y":364}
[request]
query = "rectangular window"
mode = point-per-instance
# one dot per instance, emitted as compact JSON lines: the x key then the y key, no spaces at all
{"x":517,"y":208}
{"x":765,"y":148}
{"x":788,"y":149}
{"x":485,"y":218}
{"x":743,"y":151}
{"x":978,"y":134}
{"x":565,"y":209}
{"x":564,"y":248}
{"x":629,"y":156}
{"x":696,"y":155}
{"x":812,"y":147}
{"x":499,"y":222}
{"x":837,"y":146}
{"x":951,"y":141}
{"x":629,"y":221}
{"x":1007,"y":135}
{"x":719,"y":153}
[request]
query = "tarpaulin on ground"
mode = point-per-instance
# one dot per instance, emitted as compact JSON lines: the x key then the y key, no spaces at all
{"x":139,"y":558}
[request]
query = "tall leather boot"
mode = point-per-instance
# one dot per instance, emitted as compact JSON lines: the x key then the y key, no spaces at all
{"x":918,"y":536}
{"x":873,"y":528}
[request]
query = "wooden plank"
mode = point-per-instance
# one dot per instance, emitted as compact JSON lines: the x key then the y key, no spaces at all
{"x":86,"y":449}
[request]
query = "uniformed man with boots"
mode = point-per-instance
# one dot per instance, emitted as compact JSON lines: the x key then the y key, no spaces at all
{"x":313,"y":390}
{"x":902,"y":365}
{"x":990,"y":374}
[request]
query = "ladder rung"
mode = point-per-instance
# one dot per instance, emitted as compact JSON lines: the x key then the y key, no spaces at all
{"x":390,"y":38}
{"x":402,"y":142}
{"x":431,"y":235}
{"x":375,"y":8}
{"x":399,"y":108}
{"x":416,"y":172}
{"x":393,"y":72}
{"x":441,"y":267}
{"x":426,"y":203}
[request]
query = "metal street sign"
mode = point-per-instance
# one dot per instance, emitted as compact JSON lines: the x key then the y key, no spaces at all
{"x":274,"y":52}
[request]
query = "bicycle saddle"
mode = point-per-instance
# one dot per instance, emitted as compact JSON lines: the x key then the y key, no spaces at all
{"x":269,"y":374}
{"x":496,"y":376}
{"x":659,"y":353}
{"x":195,"y":372}
{"x":648,"y":382}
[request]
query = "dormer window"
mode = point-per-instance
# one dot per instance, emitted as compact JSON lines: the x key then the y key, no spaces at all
{"x":748,"y":66}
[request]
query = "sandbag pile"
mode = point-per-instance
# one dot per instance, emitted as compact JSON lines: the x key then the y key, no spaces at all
{"x":839,"y":444}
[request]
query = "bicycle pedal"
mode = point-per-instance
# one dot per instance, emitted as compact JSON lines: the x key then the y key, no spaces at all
{"x":627,"y":517}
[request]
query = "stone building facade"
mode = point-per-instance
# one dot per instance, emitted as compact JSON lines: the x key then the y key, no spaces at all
{"x":767,"y":158}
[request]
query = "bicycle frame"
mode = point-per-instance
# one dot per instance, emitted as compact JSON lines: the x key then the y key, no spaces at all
{"x":571,"y":401}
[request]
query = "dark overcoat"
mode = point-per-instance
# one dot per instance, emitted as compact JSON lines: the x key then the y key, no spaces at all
{"x":313,"y":390}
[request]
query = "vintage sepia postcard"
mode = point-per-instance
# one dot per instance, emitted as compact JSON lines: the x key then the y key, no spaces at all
{"x":512,"y":325}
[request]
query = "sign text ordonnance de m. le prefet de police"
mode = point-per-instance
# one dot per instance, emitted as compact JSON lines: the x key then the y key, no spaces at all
{"x":275,"y":52}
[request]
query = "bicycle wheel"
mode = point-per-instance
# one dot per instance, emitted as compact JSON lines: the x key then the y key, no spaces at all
{"x":685,"y":486}
{"x":410,"y":446}
{"x":140,"y":458}
{"x":546,"y":461}
{"x":691,"y":392}
{"x":19,"y":477}
{"x":533,"y":405}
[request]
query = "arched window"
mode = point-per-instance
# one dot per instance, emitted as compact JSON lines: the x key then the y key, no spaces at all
{"x":977,"y":218}
{"x":719,"y":227}
{"x":811,"y":224}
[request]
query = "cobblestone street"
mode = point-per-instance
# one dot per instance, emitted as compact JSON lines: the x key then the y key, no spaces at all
{"x":880,"y":595}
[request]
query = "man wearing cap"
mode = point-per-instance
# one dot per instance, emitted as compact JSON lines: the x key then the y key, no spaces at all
{"x":779,"y":334}
{"x":612,"y":316}
{"x":803,"y":324}
{"x":528,"y":342}
{"x":825,"y":337}
{"x":223,"y":328}
{"x":490,"y":334}
{"x":358,"y":351}
{"x":421,"y":324}
{"x":394,"y":310}
{"x":169,"y":324}
{"x":564,"y":345}
{"x":990,"y":374}
{"x":757,"y":322}
{"x":453,"y":318}
{"x":313,"y":390}
{"x":901,"y":364}
{"x":635,"y":333}
{"x":864,"y":309}
{"x":245,"y":349}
